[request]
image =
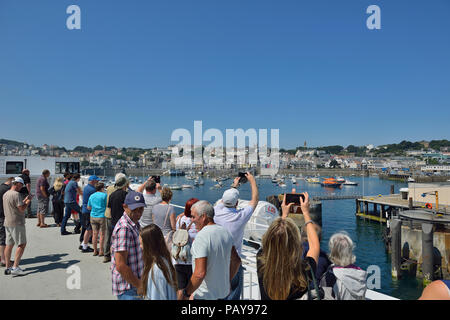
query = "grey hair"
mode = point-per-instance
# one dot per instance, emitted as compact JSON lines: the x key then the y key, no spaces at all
{"x":341,"y":249}
{"x":203,"y":207}
{"x":118,"y":176}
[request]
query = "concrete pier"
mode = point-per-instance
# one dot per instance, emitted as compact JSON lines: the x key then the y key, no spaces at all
{"x":427,"y":253}
{"x":47,"y":260}
{"x":396,"y":253}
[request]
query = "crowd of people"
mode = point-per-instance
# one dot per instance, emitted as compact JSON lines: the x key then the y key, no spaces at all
{"x":157,"y":255}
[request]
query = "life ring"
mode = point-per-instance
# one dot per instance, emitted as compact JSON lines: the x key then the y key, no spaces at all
{"x":428,"y":205}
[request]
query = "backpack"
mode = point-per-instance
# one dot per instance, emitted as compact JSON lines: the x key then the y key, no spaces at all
{"x":181,"y":248}
{"x":319,"y":290}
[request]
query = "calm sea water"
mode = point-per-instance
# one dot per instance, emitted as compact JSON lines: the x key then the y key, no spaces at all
{"x":337,"y":215}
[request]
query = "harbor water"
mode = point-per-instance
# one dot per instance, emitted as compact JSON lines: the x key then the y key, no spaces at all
{"x":337,"y":215}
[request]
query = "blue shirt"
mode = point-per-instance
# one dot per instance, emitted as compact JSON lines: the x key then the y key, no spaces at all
{"x":158,"y":288}
{"x":70,"y":195}
{"x":97,"y":202}
{"x":87,"y":192}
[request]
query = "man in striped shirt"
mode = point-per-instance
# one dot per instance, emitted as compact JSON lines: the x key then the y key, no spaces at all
{"x":127,"y":264}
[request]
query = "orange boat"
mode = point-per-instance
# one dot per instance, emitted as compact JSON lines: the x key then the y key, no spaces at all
{"x":331,"y":183}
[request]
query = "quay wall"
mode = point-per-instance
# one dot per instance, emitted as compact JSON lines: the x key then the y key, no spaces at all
{"x":411,"y":243}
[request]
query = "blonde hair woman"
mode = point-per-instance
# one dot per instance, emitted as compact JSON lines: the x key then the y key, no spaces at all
{"x":282,"y":273}
{"x":57,"y":193}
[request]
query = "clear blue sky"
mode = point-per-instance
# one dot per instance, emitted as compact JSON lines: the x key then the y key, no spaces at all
{"x":137,"y":70}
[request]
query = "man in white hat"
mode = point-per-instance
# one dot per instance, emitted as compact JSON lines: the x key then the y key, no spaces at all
{"x":234,"y":220}
{"x":14,"y":208}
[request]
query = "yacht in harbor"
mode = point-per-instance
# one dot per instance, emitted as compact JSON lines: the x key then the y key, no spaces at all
{"x":313,"y":180}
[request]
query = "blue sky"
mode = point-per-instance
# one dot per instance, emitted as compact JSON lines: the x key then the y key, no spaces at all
{"x":137,"y":70}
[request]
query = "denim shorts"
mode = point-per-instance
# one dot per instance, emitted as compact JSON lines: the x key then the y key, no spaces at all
{"x":130,"y":294}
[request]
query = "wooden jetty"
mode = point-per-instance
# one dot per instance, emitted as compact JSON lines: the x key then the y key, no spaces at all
{"x":385,"y":206}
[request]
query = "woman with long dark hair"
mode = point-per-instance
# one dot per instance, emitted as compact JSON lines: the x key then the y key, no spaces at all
{"x":159,"y":276}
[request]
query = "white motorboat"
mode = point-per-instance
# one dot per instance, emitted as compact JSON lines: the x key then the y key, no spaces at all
{"x":350,"y":183}
{"x":294,"y":181}
{"x":187,"y":186}
{"x":174,"y":187}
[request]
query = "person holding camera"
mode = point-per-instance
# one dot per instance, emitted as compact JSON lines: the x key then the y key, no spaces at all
{"x":148,"y":189}
{"x":282,"y":273}
{"x":227,"y":215}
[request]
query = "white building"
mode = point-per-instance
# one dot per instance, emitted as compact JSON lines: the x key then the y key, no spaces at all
{"x":436,"y":168}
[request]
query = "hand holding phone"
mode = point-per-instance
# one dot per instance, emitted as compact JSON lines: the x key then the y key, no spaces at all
{"x":294,"y":198}
{"x":157,"y":179}
{"x":242,"y":177}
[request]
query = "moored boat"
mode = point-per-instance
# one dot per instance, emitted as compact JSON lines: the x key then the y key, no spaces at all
{"x":331,"y":183}
{"x":350,"y":183}
{"x":340,"y":179}
{"x":313,"y":180}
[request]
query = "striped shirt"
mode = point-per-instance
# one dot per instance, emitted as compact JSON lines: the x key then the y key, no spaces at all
{"x":125,"y":237}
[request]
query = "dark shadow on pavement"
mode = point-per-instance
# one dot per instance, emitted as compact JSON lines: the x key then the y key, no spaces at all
{"x":51,"y":266}
{"x":40,"y":259}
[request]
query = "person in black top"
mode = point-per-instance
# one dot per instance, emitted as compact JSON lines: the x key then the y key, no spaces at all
{"x":323,"y":262}
{"x":115,"y":203}
{"x":57,"y":193}
{"x":282,"y":273}
{"x":26,"y":190}
{"x":3,"y":188}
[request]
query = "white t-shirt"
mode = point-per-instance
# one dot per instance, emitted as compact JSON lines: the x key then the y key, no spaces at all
{"x":213,"y":242}
{"x":234,"y":220}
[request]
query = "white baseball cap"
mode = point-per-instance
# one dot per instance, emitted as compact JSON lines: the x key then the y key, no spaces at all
{"x":118,"y":176}
{"x":230,"y":197}
{"x":18,"y":179}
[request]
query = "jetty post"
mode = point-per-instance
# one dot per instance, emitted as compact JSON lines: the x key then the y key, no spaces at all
{"x":396,"y":246}
{"x":427,"y":253}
